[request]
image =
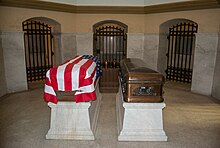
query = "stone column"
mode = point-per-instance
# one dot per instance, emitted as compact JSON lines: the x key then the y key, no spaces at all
{"x":204,"y":62}
{"x":3,"y":86}
{"x":14,"y":61}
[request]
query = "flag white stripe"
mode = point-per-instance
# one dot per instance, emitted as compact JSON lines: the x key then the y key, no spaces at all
{"x":48,"y":75}
{"x":60,"y":77}
{"x":49,"y":90}
{"x":75,"y":74}
{"x":90,"y":70}
{"x":88,"y":88}
{"x":60,"y":74}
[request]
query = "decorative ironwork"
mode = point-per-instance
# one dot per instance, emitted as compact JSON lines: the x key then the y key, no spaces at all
{"x":110,"y":42}
{"x":38,"y":49}
{"x":181,"y":41}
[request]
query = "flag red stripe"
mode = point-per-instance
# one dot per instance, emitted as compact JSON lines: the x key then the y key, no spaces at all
{"x":82,"y":73}
{"x":85,"y":97}
{"x":52,"y":82}
{"x":50,"y":98}
{"x":47,"y":81}
{"x":89,"y":80}
{"x":68,"y":74}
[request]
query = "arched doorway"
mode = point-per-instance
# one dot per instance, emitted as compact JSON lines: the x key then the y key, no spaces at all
{"x":40,"y":42}
{"x":178,"y":38}
{"x":110,"y":45}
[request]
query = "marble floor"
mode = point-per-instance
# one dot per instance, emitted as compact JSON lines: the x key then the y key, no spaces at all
{"x":190,"y":121}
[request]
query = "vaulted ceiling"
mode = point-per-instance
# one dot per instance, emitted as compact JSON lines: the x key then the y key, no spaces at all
{"x":115,"y":2}
{"x":114,"y":6}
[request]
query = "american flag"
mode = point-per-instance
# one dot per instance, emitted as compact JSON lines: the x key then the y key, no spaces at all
{"x":98,"y":64}
{"x":79,"y":74}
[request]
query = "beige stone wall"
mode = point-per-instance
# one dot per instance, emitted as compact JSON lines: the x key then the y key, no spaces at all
{"x":85,"y":22}
{"x":208,"y":20}
{"x":12,"y":18}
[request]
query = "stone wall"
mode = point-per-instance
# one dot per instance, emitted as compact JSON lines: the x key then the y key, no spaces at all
{"x":68,"y":46}
{"x":204,"y":62}
{"x":3,"y":87}
{"x":14,"y":61}
{"x":84,"y":43}
{"x":216,"y":79}
{"x":135,"y":45}
{"x":151,"y":45}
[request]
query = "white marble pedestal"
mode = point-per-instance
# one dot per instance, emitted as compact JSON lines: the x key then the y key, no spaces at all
{"x":76,"y":121}
{"x":139,"y":121}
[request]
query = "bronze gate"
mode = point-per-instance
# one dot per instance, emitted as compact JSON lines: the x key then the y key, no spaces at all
{"x":110,"y":44}
{"x":38,"y":49}
{"x":181,"y":44}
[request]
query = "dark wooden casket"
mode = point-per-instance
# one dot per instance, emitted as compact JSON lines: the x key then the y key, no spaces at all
{"x":139,"y":83}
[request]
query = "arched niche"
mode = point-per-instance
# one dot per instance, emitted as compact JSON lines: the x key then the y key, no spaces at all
{"x":163,"y":41}
{"x":56,"y":32}
{"x":37,"y":39}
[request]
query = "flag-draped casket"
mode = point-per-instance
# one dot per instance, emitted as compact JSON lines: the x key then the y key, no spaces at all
{"x":79,"y":74}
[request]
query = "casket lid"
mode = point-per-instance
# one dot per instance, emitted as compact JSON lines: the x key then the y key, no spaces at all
{"x":135,"y":70}
{"x":137,"y":65}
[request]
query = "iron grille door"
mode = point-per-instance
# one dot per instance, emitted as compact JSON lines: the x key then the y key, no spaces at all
{"x":110,"y":44}
{"x":181,"y":41}
{"x":38,"y":49}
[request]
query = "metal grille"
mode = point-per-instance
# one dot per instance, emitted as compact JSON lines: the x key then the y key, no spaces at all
{"x":38,"y":49}
{"x":110,"y":44}
{"x":181,"y":41}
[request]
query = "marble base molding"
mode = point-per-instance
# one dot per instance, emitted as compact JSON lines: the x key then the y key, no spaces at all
{"x":75,"y":121}
{"x":139,"y":121}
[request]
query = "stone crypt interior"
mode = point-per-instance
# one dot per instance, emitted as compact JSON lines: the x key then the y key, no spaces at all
{"x":179,"y":39}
